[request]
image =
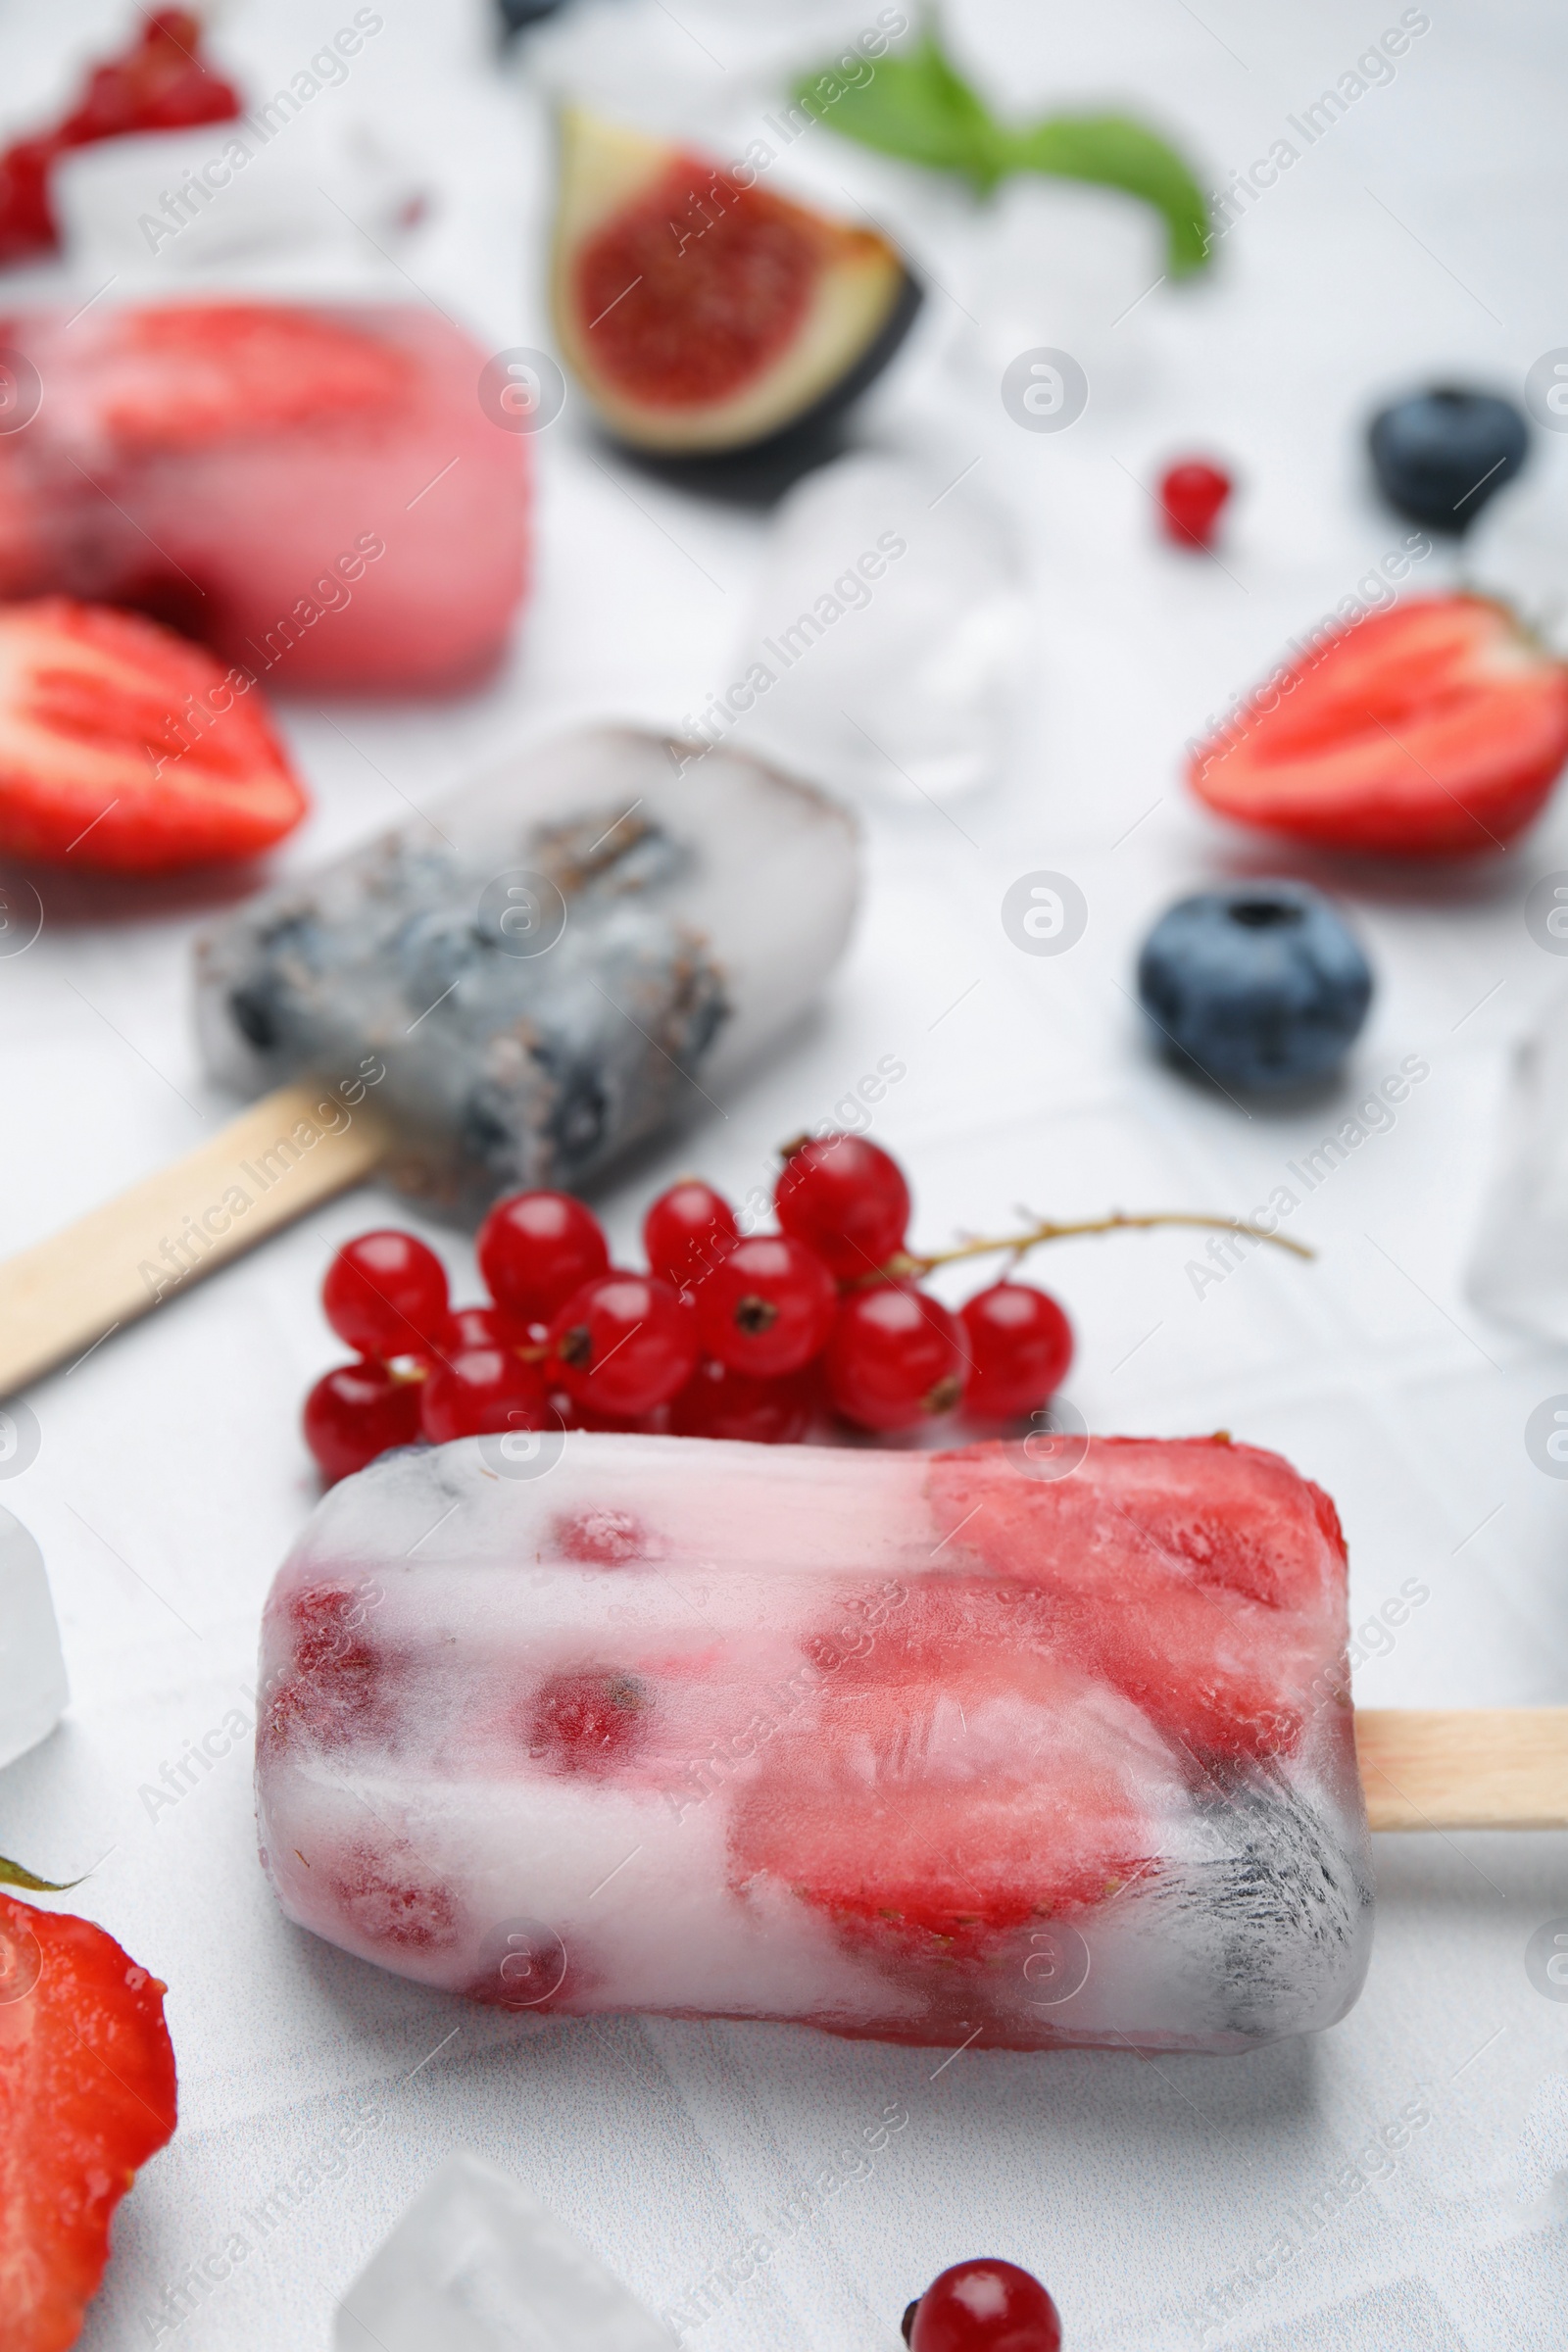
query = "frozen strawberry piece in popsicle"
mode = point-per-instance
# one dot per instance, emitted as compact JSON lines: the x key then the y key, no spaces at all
{"x":1202,"y":1580}
{"x":315,"y":492}
{"x":799,"y":1742}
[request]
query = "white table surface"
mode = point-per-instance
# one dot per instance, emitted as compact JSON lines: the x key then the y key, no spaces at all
{"x":1423,"y":233}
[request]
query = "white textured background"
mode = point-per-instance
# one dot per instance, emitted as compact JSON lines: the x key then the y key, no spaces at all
{"x":1422,"y":233}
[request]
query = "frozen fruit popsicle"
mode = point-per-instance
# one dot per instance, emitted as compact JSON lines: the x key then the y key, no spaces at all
{"x":315,"y":492}
{"x":921,"y":1747}
{"x":581,"y":946}
{"x":578,"y":945}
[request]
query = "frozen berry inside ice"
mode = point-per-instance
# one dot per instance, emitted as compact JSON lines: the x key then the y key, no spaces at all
{"x":1192,"y":496}
{"x":1260,"y":986}
{"x":587,"y":1721}
{"x":386,"y":1295}
{"x":1440,"y":455}
{"x":985,"y":2307}
{"x":536,"y":1248}
{"x":846,"y":1199}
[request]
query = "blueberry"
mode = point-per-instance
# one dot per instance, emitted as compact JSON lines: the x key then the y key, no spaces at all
{"x":1260,"y":986}
{"x":1441,"y":455}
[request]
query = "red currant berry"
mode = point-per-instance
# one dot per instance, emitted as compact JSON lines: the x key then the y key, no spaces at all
{"x":768,"y":1308}
{"x":587,"y":1721}
{"x":623,"y":1344}
{"x":572,"y":1415}
{"x":355,"y":1413}
{"x":985,"y":2307}
{"x":479,"y":1391}
{"x":484,"y":1327}
{"x":896,"y":1358}
{"x":1191,"y":496}
{"x":536,"y":1248}
{"x":687,"y":1232}
{"x":846,"y":1200}
{"x":716,"y":1402}
{"x":1020,"y":1345}
{"x":386,"y":1295}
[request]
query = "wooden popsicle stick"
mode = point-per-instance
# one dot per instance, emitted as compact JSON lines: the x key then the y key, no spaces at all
{"x":147,"y":1245}
{"x":1479,"y":1768}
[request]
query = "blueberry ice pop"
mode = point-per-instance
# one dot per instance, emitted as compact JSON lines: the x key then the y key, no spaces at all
{"x":579,"y":948}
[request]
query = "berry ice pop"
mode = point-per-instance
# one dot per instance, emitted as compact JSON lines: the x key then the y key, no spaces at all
{"x":568,"y":954}
{"x":574,"y":951}
{"x":315,"y":492}
{"x":922,"y":1748}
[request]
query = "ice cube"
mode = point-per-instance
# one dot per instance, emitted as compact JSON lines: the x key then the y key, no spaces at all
{"x":1519,"y":1263}
{"x":889,"y":637}
{"x":296,"y":202}
{"x":32,"y":1671}
{"x":477,"y":2265}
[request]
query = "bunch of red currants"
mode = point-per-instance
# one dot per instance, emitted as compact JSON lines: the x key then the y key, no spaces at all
{"x":727,"y":1335}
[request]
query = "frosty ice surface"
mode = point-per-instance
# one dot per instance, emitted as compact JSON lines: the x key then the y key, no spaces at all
{"x":477,"y":2265}
{"x":573,"y":949}
{"x":918,"y":1746}
{"x":314,"y":491}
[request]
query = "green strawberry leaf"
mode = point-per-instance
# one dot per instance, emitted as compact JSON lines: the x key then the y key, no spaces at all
{"x":916,"y":104}
{"x":12,"y":1874}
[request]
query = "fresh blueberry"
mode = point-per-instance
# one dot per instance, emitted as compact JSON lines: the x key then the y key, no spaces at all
{"x":1260,"y":986}
{"x":1441,"y":455}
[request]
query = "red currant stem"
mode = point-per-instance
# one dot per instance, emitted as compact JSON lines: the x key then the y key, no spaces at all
{"x":906,"y":1263}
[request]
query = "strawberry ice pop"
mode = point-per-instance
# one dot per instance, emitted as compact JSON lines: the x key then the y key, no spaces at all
{"x":922,"y":1748}
{"x":315,"y":492}
{"x":569,"y":952}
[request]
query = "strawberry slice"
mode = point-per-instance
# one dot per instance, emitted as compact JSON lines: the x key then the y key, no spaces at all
{"x":127,"y":750}
{"x":1432,"y":730}
{"x":86,"y":2095}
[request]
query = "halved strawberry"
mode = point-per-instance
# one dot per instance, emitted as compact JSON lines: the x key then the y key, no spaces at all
{"x":87,"y":2094}
{"x":1432,"y":730}
{"x":127,"y":749}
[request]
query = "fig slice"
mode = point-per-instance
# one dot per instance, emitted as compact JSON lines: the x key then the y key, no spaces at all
{"x":702,"y":317}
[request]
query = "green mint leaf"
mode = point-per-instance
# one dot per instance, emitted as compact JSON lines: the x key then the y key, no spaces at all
{"x":915,"y":105}
{"x":12,"y":1874}
{"x":1116,"y":152}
